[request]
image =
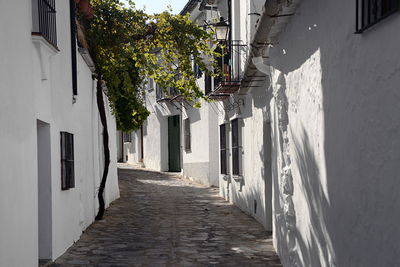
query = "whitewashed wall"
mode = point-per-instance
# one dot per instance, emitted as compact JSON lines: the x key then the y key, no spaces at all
{"x":200,"y":162}
{"x":155,"y":133}
{"x":335,"y":127}
{"x":34,"y":112}
{"x":132,"y":150}
{"x":252,"y":193}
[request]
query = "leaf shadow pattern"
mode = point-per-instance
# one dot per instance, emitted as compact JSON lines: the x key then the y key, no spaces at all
{"x":319,"y":239}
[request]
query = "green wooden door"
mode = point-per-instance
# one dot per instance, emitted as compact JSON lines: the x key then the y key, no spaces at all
{"x":174,"y":144}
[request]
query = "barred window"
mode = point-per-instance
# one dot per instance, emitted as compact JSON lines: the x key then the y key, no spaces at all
{"x":223,"y":148}
{"x":44,"y":19}
{"x":370,"y":12}
{"x":67,"y":161}
{"x":236,"y":147}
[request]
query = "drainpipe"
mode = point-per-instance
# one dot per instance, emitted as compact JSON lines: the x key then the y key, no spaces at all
{"x":267,"y":19}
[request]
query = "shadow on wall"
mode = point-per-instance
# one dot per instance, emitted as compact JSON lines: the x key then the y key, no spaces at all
{"x":319,"y":241}
{"x":194,"y":114}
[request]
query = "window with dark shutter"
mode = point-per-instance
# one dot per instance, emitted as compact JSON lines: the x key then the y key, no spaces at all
{"x":207,"y":84}
{"x":236,"y":147}
{"x":218,"y":79}
{"x":187,"y":134}
{"x":223,"y":148}
{"x":67,"y":161}
{"x":370,"y":12}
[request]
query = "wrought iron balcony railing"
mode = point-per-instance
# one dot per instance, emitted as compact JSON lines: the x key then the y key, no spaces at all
{"x":44,"y":16}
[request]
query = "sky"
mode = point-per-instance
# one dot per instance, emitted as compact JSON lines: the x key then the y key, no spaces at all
{"x":158,"y":6}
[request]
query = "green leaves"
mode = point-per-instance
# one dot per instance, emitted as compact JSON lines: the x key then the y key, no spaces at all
{"x":127,"y":45}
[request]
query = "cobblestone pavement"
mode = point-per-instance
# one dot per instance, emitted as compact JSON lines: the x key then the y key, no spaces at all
{"x":163,"y":219}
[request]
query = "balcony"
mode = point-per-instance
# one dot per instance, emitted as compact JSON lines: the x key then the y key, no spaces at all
{"x":44,"y":20}
{"x":230,"y":63}
{"x":223,"y":90}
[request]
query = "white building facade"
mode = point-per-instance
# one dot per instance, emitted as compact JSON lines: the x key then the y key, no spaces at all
{"x":307,"y":131}
{"x":329,"y":140}
{"x":176,"y":136}
{"x":51,"y":135}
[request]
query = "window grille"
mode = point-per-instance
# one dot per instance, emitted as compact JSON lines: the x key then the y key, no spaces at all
{"x":46,"y":15}
{"x":236,"y":147}
{"x":223,"y":148}
{"x":187,"y":134}
{"x":370,"y":12}
{"x":67,"y":160}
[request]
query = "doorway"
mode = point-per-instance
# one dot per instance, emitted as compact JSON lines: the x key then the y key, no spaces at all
{"x":44,"y":192}
{"x":174,"y":144}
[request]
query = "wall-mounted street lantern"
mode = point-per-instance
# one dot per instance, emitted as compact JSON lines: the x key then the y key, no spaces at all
{"x":222,"y":30}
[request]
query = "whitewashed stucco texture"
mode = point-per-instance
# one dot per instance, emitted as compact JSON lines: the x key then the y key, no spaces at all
{"x":252,"y":191}
{"x":335,"y":121}
{"x":132,"y":153}
{"x":200,"y":161}
{"x":155,"y":133}
{"x":38,"y":106}
{"x":18,"y":164}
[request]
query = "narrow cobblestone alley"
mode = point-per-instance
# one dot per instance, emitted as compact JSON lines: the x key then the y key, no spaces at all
{"x":163,"y":219}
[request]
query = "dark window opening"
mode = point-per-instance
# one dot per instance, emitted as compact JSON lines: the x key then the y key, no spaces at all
{"x":197,"y":70}
{"x":218,"y":79}
{"x":236,"y":148}
{"x":370,"y":12}
{"x":67,"y":161}
{"x":223,"y":149}
{"x":207,"y":86}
